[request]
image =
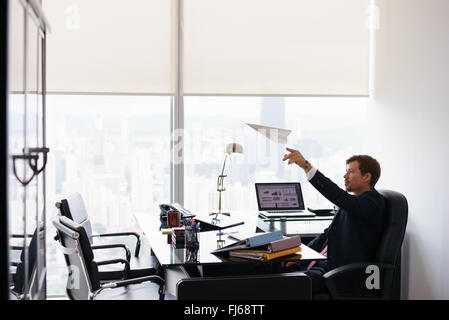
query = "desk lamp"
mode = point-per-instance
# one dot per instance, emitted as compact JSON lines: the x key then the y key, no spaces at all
{"x":230,"y":148}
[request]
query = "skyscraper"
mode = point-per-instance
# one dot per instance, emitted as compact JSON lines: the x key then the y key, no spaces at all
{"x":272,"y":114}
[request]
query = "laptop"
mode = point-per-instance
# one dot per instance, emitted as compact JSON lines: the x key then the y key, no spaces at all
{"x":281,"y":199}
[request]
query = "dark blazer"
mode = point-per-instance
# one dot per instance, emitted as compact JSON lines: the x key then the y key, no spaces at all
{"x":355,"y":231}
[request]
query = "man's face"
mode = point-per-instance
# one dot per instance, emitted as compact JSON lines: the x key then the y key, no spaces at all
{"x":354,"y":180}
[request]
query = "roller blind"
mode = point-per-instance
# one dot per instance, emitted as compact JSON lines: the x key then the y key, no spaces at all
{"x":229,"y":47}
{"x":110,"y":46}
{"x":16,"y":48}
{"x":276,"y":47}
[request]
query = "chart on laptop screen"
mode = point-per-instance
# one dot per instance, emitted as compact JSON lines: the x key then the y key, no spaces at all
{"x":279,"y":196}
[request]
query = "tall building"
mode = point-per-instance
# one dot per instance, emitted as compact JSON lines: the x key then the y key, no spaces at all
{"x":272,"y":114}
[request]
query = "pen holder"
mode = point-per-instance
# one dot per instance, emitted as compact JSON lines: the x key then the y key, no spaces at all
{"x":192,"y":243}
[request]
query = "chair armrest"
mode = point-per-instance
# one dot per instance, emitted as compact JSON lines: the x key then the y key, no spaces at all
{"x":354,"y":266}
{"x":20,"y":235}
{"x":121,"y":234}
{"x":160,"y":281}
{"x":110,"y":246}
{"x":332,"y":275}
{"x":126,"y":263}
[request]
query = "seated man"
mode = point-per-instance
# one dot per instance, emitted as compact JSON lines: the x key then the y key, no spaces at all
{"x":355,"y":231}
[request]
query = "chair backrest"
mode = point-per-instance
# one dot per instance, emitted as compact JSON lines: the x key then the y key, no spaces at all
{"x":83,"y":270}
{"x":19,"y":278}
{"x":73,"y":208}
{"x":284,"y":286}
{"x":397,"y":214}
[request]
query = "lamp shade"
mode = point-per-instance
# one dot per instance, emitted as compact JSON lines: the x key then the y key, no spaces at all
{"x":234,"y":148}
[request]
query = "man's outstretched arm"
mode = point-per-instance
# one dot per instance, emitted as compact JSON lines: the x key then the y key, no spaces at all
{"x":331,"y":191}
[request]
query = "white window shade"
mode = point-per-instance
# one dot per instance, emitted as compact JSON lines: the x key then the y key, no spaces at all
{"x":282,"y":47}
{"x":16,"y":48}
{"x":111,"y":46}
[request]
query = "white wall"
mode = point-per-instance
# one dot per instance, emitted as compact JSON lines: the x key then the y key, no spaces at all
{"x":408,"y":132}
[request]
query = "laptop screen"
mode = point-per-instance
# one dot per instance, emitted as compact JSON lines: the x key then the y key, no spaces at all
{"x":279,"y":196}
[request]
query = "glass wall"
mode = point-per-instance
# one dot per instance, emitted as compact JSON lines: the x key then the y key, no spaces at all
{"x":26,"y":150}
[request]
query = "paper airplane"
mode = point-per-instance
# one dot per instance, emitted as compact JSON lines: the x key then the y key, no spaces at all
{"x":275,"y":134}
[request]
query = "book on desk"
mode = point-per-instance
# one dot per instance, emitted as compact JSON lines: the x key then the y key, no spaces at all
{"x":263,"y":255}
{"x":263,"y":247}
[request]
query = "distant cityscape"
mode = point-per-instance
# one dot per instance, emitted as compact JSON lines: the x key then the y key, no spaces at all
{"x":115,"y":151}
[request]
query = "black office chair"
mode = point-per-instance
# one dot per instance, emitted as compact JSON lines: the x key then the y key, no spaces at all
{"x":73,"y":208}
{"x":17,"y":286}
{"x":353,"y":277}
{"x":283,"y":286}
{"x":83,"y":280}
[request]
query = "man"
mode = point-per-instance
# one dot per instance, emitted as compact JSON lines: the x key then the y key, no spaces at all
{"x":355,"y":232}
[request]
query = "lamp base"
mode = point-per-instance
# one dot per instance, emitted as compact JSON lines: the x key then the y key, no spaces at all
{"x":217,"y":213}
{"x":215,"y":219}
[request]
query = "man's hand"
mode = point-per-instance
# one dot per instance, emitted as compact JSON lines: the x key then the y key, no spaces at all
{"x":286,"y":264}
{"x":295,"y":157}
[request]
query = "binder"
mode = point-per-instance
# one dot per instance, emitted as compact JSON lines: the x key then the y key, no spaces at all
{"x":286,"y":243}
{"x":263,"y":255}
{"x":252,"y":242}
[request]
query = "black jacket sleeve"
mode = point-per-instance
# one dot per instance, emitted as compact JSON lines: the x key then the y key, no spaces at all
{"x":364,"y":206}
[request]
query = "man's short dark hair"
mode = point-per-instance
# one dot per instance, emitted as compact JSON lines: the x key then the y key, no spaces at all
{"x":367,"y":164}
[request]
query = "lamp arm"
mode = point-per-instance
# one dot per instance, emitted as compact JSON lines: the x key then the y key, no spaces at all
{"x":220,"y":185}
{"x":224,"y":163}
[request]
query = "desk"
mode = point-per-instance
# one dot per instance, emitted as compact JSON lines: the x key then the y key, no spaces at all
{"x":174,"y":262}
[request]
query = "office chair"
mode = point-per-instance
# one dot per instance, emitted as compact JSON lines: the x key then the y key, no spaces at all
{"x":388,"y":259}
{"x":83,"y":279}
{"x":281,"y":286}
{"x":73,"y":208}
{"x":17,"y":286}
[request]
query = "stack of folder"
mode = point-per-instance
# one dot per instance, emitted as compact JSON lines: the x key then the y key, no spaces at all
{"x":264,"y":247}
{"x":273,"y":250}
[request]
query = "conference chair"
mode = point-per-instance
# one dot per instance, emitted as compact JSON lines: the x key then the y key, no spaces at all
{"x":84,"y":282}
{"x":360,"y":277}
{"x":281,"y":286}
{"x":140,"y":265}
{"x":18,"y":282}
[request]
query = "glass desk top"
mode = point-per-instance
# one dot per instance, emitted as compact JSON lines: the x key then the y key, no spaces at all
{"x":282,"y":219}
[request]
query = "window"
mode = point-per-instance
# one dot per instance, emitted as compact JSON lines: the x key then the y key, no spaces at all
{"x":322,"y":129}
{"x":113,"y":151}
